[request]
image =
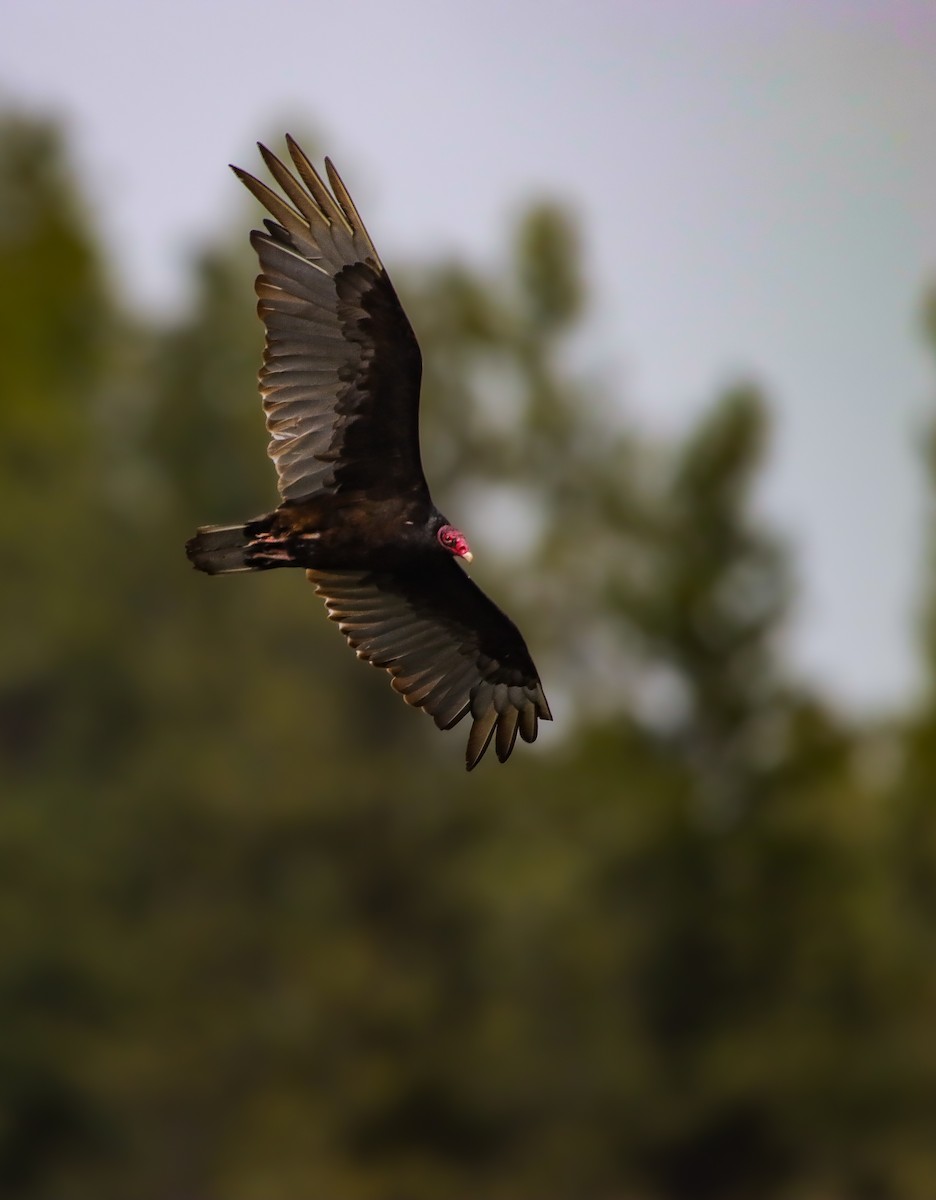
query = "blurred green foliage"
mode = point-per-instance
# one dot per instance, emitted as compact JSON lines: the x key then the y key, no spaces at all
{"x":262,"y":936}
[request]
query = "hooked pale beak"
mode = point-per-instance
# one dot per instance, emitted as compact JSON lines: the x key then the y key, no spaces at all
{"x":468,"y":556}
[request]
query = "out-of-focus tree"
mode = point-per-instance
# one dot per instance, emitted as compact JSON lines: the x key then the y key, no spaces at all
{"x":56,"y":317}
{"x":712,"y":607}
{"x":58,"y":321}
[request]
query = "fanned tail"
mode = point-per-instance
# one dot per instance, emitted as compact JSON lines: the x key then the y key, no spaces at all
{"x":227,"y":549}
{"x":219,"y":549}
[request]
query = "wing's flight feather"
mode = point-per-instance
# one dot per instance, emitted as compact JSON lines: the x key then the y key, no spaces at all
{"x":448,"y":648}
{"x":347,"y":206}
{"x":302,"y":199}
{"x":313,"y":181}
{"x":341,"y":368}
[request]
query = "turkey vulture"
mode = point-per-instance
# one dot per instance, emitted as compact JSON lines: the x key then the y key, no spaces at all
{"x":340,"y":385}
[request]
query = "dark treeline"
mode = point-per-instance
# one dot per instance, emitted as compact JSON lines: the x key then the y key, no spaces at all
{"x":263,"y":937}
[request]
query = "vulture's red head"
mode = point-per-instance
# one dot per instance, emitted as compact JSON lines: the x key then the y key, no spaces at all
{"x":455,"y":542}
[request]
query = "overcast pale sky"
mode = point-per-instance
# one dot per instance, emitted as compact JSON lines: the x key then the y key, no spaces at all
{"x":756,"y":183}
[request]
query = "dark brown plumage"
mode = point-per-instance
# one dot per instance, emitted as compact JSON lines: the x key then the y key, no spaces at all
{"x":340,"y":385}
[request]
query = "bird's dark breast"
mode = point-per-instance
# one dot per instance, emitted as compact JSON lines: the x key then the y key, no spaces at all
{"x":349,"y":532}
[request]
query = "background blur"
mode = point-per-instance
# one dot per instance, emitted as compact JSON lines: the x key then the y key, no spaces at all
{"x":261,"y":935}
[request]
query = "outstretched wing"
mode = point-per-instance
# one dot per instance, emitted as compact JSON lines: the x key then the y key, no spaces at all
{"x":341,"y":368}
{"x":448,"y":648}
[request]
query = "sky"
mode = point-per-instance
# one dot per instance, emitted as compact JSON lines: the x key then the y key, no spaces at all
{"x":756,"y":185}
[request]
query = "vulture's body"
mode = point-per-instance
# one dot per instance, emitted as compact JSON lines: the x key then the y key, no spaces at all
{"x":340,"y":385}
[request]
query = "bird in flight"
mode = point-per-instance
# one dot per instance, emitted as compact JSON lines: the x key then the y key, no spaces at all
{"x":340,"y":385}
